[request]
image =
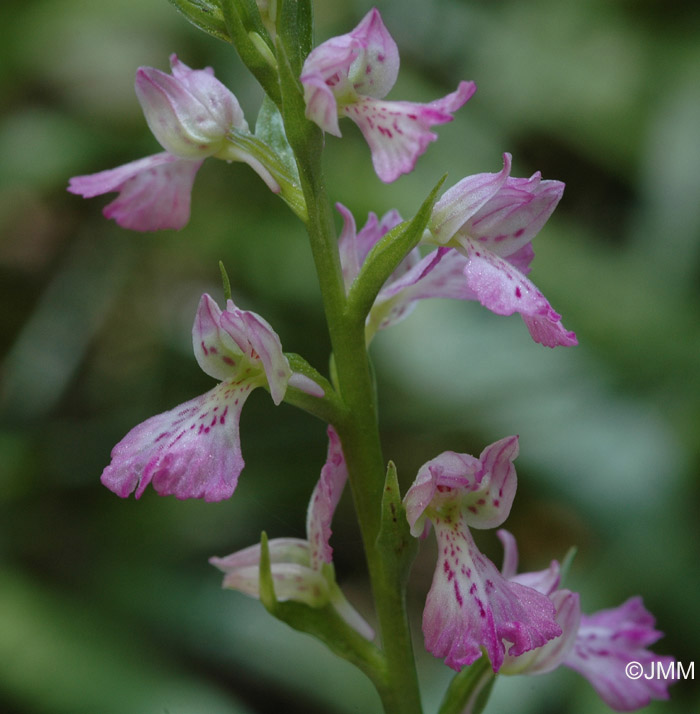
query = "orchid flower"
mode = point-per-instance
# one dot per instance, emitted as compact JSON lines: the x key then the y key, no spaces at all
{"x":193,"y":450}
{"x":598,"y":646}
{"x":302,"y":570}
{"x":491,"y":220}
{"x":470,"y":605}
{"x":350,"y":75}
{"x":193,"y":116}
{"x":483,"y":227}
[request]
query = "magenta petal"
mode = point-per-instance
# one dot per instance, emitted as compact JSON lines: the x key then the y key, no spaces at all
{"x":470,"y":605}
{"x":501,"y":288}
{"x":154,"y":192}
{"x":192,"y":451}
{"x":324,"y":500}
{"x":607,"y":642}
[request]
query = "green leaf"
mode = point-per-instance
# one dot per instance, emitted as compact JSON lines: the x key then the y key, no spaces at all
{"x":206,"y":15}
{"x":385,"y":257}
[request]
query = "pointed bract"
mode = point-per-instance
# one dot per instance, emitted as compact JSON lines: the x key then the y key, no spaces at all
{"x":349,"y":75}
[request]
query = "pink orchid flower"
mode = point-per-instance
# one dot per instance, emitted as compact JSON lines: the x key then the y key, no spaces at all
{"x":351,"y":74}
{"x":192,"y":115}
{"x":470,"y":605}
{"x":194,"y":450}
{"x":302,"y":570}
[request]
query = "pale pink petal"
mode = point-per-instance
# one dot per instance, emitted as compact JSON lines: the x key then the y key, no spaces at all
{"x":324,"y":500}
{"x":192,"y":451}
{"x":552,"y":654}
{"x":261,"y":344}
{"x":483,"y":489}
{"x":214,"y":96}
{"x":512,"y":218}
{"x":216,"y":352}
{"x":489,"y":504}
{"x":501,"y":288}
{"x":461,"y":202}
{"x":321,"y":104}
{"x":375,"y":69}
{"x":470,"y":605}
{"x":190,"y":113}
{"x":154,"y":192}
{"x":607,"y":642}
{"x":306,"y":384}
{"x":292,"y":575}
{"x":399,"y":132}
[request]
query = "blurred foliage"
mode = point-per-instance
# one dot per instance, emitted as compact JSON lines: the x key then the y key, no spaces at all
{"x":109,"y":605}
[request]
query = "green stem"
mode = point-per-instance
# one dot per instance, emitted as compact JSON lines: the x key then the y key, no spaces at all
{"x":358,"y":428}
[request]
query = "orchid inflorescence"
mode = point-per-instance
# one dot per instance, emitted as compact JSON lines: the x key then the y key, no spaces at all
{"x":472,"y":243}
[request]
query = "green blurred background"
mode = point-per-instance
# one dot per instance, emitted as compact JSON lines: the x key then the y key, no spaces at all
{"x":109,"y":606}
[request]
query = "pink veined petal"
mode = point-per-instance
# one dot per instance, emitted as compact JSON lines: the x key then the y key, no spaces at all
{"x":211,"y":93}
{"x":321,"y":104}
{"x":154,"y":192}
{"x":216,"y":352}
{"x":552,"y":654}
{"x":263,"y":345}
{"x":470,"y":605}
{"x":399,"y":132}
{"x":324,"y":500}
{"x":282,"y":550}
{"x":374,"y":71}
{"x":513,"y":217}
{"x":354,"y":247}
{"x":489,"y":504}
{"x":190,"y":113}
{"x":192,"y":451}
{"x":501,"y":288}
{"x":607,"y":642}
{"x":462,"y":201}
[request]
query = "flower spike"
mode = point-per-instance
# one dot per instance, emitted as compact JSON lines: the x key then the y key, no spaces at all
{"x":351,"y":74}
